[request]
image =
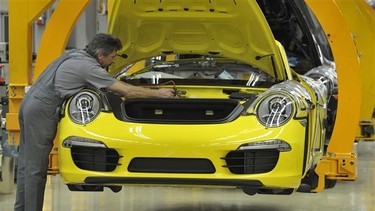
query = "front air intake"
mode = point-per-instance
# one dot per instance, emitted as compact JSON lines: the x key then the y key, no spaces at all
{"x":95,"y":159}
{"x":172,"y":165}
{"x":251,"y":161}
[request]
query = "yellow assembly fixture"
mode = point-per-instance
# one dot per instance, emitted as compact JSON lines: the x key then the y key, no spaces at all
{"x":353,"y":48}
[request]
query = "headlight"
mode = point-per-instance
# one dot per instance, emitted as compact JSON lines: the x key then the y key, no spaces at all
{"x":84,"y":107}
{"x":275,"y":110}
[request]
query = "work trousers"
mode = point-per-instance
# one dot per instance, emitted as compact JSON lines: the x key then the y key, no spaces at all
{"x":38,"y":118}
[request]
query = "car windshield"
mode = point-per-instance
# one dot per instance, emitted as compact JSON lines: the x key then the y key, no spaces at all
{"x":196,"y":70}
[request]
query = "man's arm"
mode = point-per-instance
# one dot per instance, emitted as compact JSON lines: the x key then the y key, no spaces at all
{"x":130,"y":91}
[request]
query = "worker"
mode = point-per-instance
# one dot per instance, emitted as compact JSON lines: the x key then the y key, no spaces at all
{"x":39,"y":110}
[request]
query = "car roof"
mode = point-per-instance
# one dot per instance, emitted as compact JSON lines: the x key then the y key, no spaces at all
{"x":234,"y":29}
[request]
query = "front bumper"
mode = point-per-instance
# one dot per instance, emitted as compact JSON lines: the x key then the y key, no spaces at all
{"x":160,"y":142}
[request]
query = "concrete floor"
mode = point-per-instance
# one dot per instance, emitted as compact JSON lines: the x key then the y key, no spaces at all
{"x":356,"y":195}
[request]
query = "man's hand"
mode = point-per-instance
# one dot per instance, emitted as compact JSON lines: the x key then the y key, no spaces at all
{"x":130,"y":91}
{"x":166,"y":93}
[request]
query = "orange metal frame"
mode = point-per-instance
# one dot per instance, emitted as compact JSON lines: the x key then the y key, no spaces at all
{"x":338,"y":18}
{"x":53,"y":43}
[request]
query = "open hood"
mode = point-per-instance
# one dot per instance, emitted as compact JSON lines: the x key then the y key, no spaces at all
{"x":229,"y":28}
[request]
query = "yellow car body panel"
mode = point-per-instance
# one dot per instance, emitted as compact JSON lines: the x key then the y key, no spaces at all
{"x":229,"y":31}
{"x":205,"y":141}
{"x":267,"y":142}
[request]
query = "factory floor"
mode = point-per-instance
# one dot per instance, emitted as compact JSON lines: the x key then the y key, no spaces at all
{"x":358,"y":195}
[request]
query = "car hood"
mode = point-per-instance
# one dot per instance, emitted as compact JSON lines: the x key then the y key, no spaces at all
{"x":234,"y":29}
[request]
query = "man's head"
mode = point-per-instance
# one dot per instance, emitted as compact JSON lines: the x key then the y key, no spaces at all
{"x":104,"y":47}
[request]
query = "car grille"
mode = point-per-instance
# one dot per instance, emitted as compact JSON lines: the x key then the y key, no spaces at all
{"x":181,"y":111}
{"x":251,"y":161}
{"x":172,"y":165}
{"x":95,"y":159}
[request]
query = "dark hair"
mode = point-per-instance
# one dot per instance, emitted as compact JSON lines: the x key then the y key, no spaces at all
{"x":104,"y":44}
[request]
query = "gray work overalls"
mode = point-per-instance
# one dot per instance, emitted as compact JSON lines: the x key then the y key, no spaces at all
{"x":38,"y":119}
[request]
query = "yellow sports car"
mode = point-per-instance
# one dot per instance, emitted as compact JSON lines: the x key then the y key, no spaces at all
{"x":242,"y":117}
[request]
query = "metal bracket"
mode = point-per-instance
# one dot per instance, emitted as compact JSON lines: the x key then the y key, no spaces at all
{"x":336,"y":167}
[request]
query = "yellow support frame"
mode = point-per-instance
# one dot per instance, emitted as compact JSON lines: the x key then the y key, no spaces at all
{"x":57,"y":32}
{"x":340,"y":162}
{"x":54,"y":40}
{"x":360,"y":18}
{"x":20,"y":56}
{"x":53,"y":43}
